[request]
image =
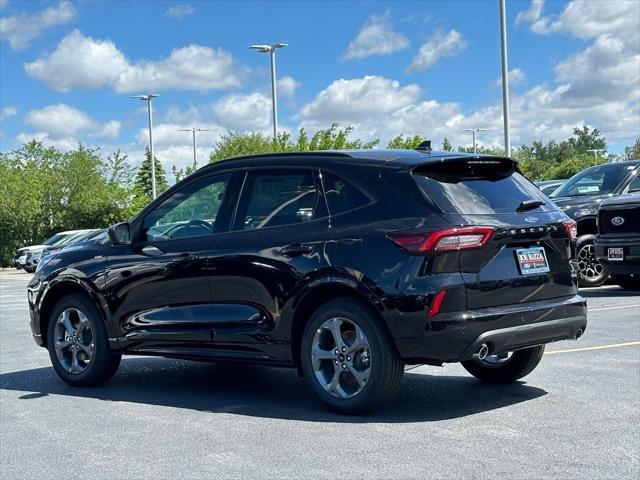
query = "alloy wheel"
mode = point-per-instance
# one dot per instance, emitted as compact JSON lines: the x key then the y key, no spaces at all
{"x":588,"y":265}
{"x":74,"y":340}
{"x":341,"y":357}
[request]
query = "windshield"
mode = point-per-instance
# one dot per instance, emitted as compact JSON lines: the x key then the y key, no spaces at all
{"x":56,"y":238}
{"x":600,"y":180}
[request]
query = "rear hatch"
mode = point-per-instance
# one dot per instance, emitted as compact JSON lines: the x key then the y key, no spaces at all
{"x":527,"y":257}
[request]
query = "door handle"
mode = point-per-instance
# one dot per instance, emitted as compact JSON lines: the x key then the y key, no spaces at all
{"x":296,"y":249}
{"x":152,"y":251}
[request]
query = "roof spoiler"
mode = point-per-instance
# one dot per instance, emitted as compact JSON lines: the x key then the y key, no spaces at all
{"x":424,"y":146}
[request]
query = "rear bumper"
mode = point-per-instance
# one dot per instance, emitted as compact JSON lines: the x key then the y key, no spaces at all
{"x":454,"y":337}
{"x":631,"y":250}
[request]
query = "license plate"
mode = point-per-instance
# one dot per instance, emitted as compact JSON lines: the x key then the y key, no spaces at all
{"x":532,"y":260}
{"x":615,"y":254}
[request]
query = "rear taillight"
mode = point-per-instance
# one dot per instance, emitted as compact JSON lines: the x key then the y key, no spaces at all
{"x":571,"y":229}
{"x":449,"y":239}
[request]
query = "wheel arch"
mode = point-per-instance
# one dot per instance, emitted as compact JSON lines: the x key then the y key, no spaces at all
{"x":587,"y":226}
{"x":322,"y":291}
{"x":58,"y":290}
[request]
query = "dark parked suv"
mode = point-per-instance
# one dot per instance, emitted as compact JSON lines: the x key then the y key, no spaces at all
{"x":617,"y":245}
{"x":344,"y":265}
{"x":580,"y":196}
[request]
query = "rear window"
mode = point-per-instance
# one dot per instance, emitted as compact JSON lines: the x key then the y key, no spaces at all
{"x":477,"y":186}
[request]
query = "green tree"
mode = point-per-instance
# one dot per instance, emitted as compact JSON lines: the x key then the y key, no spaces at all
{"x":585,"y":139}
{"x":143,"y":184}
{"x":446,"y":145}
{"x":235,"y":144}
{"x":632,"y":152}
{"x":403,"y":142}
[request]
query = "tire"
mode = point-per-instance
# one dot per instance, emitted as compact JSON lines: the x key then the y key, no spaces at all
{"x":375,"y":358}
{"x":627,"y":282}
{"x":102,"y":364}
{"x":590,"y":271}
{"x":29,"y":269}
{"x":520,"y":364}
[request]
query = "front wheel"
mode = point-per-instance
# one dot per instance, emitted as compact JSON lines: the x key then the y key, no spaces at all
{"x":590,"y":271}
{"x":506,"y":367}
{"x":348,"y":359}
{"x":78,"y":344}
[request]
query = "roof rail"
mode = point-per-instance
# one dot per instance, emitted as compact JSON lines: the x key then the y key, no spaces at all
{"x":424,"y":146}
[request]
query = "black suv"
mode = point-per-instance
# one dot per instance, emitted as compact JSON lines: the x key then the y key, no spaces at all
{"x":618,"y":241}
{"x":580,"y":197}
{"x":344,"y":265}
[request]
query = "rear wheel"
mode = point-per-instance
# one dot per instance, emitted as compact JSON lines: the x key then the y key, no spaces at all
{"x":78,"y":345}
{"x":506,"y":367}
{"x":348,"y":359}
{"x":590,"y":271}
{"x":627,"y":282}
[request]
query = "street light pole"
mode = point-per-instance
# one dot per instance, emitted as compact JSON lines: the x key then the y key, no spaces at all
{"x":271,"y":49}
{"x":473,"y":132}
{"x":505,"y":78}
{"x":193,"y":131}
{"x":595,"y":151}
{"x":147,"y":98}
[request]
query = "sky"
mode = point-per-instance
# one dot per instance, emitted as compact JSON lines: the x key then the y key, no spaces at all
{"x":69,"y":68}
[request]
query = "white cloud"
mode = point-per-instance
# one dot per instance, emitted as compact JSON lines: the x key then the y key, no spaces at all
{"x":19,"y":29}
{"x":517,"y":78}
{"x":61,"y":121}
{"x":244,"y":112}
{"x":439,"y":46}
{"x":355,"y":99}
{"x":376,"y":37}
{"x":287,"y":86}
{"x":81,"y":62}
{"x":180,"y":11}
{"x":7,"y":112}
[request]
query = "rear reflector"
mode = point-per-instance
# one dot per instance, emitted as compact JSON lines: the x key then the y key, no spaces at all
{"x":434,"y":308}
{"x":571,"y":229}
{"x":450,"y":239}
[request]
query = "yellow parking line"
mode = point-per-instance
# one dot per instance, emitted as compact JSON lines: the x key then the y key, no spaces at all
{"x":600,"y":347}
{"x":613,"y":308}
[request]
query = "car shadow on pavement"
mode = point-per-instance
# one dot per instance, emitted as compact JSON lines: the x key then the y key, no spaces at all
{"x":270,"y":392}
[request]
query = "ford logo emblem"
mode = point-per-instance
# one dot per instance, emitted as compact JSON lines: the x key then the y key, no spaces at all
{"x":617,"y":221}
{"x":531,"y":219}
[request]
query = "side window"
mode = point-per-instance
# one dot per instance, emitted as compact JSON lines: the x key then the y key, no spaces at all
{"x":277,"y":197}
{"x":341,"y":195}
{"x":634,"y":186}
{"x":189,"y":212}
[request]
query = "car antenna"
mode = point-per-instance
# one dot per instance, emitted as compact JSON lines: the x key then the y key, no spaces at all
{"x":424,"y":146}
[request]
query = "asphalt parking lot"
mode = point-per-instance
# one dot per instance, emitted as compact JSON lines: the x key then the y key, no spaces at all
{"x":576,"y":416}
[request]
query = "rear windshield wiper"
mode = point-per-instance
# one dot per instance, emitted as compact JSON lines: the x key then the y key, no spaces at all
{"x":529,"y":205}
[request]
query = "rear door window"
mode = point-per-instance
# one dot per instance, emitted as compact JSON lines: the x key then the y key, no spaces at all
{"x":341,"y":194}
{"x":274,"y":198}
{"x":477,"y":186}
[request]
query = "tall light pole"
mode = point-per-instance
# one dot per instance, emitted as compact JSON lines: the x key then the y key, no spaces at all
{"x":505,"y":78}
{"x":147,"y":98}
{"x":596,"y":151}
{"x":193,"y":131}
{"x":474,"y":131}
{"x":271,"y":50}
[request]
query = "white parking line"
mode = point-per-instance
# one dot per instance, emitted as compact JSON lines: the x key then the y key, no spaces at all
{"x":613,"y":308}
{"x":599,"y":347}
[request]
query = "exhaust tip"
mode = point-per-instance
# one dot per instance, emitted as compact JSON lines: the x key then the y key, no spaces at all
{"x":483,"y":351}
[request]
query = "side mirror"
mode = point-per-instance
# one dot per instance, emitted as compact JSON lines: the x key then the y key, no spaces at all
{"x":120,"y":233}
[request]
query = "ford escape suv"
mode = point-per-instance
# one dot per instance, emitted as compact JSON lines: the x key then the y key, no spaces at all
{"x":346,"y":265}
